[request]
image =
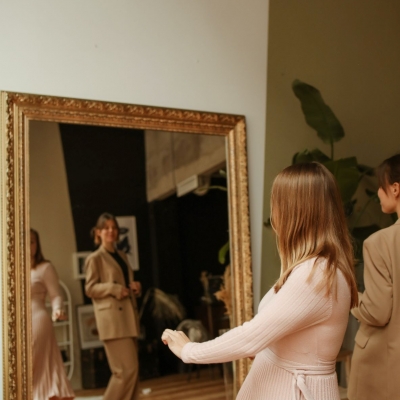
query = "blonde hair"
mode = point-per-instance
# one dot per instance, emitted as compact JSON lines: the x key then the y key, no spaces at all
{"x":308,"y":217}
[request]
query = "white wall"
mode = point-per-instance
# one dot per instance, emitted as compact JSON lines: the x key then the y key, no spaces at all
{"x":348,"y":50}
{"x":206,"y":55}
{"x":196,"y":54}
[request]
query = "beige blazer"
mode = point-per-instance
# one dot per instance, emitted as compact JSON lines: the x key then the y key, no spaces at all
{"x":116,"y":317}
{"x":375,"y":368}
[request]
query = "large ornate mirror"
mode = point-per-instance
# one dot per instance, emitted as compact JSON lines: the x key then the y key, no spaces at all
{"x":178,"y":173}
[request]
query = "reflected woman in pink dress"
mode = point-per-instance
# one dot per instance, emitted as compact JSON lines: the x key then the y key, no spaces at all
{"x":50,"y":381}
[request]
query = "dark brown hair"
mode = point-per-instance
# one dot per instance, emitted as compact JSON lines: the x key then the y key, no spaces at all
{"x":388,"y":172}
{"x":39,"y":258}
{"x":101,"y":221}
{"x":308,"y":217}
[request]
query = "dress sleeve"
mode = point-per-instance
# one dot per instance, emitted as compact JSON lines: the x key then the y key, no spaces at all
{"x":94,"y":288}
{"x":376,"y":303}
{"x":297,"y":305}
{"x":50,"y":281}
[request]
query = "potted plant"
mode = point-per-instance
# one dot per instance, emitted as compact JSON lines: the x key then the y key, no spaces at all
{"x":349,"y":173}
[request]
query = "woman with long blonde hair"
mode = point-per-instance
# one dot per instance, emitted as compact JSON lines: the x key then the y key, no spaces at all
{"x":301,"y":321}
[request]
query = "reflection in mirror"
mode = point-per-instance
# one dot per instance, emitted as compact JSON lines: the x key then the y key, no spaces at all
{"x":19,"y":116}
{"x":174,"y":185}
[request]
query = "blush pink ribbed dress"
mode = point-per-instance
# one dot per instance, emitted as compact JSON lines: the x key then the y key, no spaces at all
{"x":49,"y":378}
{"x":295,"y":337}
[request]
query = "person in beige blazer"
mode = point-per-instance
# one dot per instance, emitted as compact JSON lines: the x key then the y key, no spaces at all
{"x":375,"y":368}
{"x":110,"y":285}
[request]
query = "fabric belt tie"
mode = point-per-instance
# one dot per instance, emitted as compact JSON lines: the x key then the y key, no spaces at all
{"x":299,"y":372}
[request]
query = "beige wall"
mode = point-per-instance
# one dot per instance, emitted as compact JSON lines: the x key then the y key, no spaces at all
{"x":172,"y":157}
{"x":348,"y":50}
{"x":50,"y":213}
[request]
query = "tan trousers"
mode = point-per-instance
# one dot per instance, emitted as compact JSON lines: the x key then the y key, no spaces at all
{"x":123,"y":361}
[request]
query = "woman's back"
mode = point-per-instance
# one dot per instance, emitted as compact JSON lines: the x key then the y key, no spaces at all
{"x":321,"y":341}
{"x":296,"y":333}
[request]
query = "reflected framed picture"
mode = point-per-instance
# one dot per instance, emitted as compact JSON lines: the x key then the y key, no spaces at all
{"x":78,"y":264}
{"x":128,"y":240}
{"x":87,"y":328}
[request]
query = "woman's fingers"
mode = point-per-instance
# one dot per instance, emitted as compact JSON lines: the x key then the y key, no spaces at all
{"x":170,"y":336}
{"x":166,"y":336}
{"x":175,"y":341}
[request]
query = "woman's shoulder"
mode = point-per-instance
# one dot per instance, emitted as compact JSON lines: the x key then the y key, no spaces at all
{"x":312,"y":269}
{"x":44,"y":266}
{"x":44,"y":269}
{"x":306,"y":266}
{"x":384,"y":234}
{"x":94,"y":255}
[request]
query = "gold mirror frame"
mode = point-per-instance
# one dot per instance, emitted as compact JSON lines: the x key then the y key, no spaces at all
{"x":16,"y":111}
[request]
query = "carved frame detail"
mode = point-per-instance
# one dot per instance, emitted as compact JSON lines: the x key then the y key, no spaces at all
{"x":16,"y":110}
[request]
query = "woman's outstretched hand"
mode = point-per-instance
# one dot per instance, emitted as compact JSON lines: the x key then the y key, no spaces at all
{"x":175,"y":341}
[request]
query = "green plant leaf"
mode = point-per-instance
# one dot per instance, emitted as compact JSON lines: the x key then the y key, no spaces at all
{"x":363,"y":232}
{"x":347,"y":176}
{"x":308,"y":156}
{"x":366,"y":170}
{"x":349,"y":207}
{"x":373,"y":195}
{"x":360,"y":233}
{"x":318,"y":114}
{"x":223,"y":252}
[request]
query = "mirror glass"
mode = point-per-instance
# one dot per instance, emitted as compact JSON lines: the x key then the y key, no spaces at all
{"x":177,"y":182}
{"x":169,"y":190}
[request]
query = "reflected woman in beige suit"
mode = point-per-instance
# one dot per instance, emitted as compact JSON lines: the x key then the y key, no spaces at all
{"x":375,"y":370}
{"x":110,"y":284}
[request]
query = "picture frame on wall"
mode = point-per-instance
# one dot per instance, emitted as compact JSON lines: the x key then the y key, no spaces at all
{"x":87,"y":328}
{"x":78,"y":264}
{"x":128,"y":240}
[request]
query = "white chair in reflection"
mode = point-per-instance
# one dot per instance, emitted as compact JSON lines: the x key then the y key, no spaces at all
{"x":63,"y":332}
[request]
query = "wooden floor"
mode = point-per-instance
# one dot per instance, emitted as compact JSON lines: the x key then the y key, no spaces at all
{"x":176,"y":387}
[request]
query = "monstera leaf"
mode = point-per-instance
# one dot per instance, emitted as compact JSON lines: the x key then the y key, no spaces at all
{"x":347,"y":171}
{"x":308,"y":156}
{"x":347,"y":175}
{"x":318,"y":114}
